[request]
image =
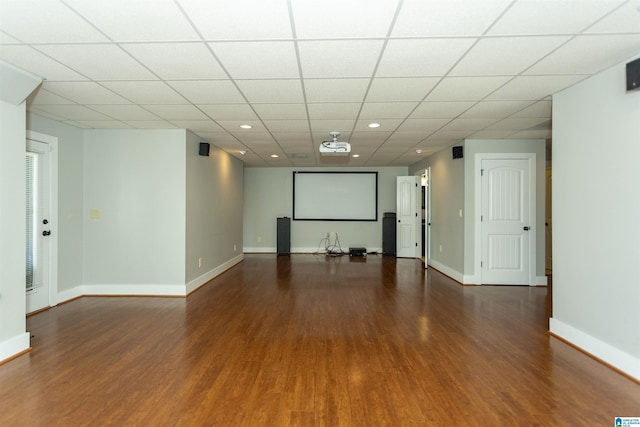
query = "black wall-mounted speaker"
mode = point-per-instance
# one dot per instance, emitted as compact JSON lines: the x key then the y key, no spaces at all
{"x":204,"y":149}
{"x":457,"y":152}
{"x":633,"y":75}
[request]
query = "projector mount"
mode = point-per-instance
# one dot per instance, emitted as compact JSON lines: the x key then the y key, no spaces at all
{"x":334,"y":135}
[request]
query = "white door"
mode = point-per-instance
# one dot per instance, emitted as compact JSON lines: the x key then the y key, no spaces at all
{"x":408,"y":242}
{"x":506,"y":221}
{"x":38,"y":226}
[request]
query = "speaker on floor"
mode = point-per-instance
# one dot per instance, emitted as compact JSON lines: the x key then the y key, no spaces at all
{"x":204,"y":149}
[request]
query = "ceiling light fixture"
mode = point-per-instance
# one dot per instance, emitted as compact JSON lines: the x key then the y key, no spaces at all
{"x":374,"y":125}
{"x":246,"y":126}
{"x":419,"y":151}
{"x":356,"y":155}
{"x":243,"y":152}
{"x":275,"y":156}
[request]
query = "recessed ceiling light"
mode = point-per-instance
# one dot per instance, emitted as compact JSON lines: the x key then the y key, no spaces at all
{"x":374,"y":125}
{"x":246,"y":126}
{"x":243,"y":152}
{"x":418,"y":151}
{"x":356,"y":155}
{"x":275,"y":156}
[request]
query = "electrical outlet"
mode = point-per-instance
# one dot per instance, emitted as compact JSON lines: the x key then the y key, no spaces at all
{"x":440,"y":248}
{"x":234,"y":248}
{"x":199,"y":262}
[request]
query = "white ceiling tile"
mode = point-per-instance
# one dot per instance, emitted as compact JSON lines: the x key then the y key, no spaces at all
{"x":422,"y":18}
{"x":468,"y":124}
{"x":125,"y":112}
{"x":445,"y":136}
{"x":552,"y":16}
{"x":387,"y":110}
{"x":146,"y":92}
{"x":239,"y":19}
{"x":257,"y":129}
{"x":505,"y":55}
{"x":287,"y":125}
{"x":177,"y":61}
{"x":344,"y":110}
{"x":531,"y":134}
{"x":466,"y":88}
{"x":140,"y":20}
{"x":533,"y":87}
{"x":72,"y":112}
{"x":365,"y":138}
{"x":539,"y":109}
{"x":491,"y":134}
{"x":6,"y":38}
{"x":400,"y":89}
{"x":197,"y":126}
{"x":281,"y":111}
{"x":271,"y":91}
{"x":104,"y":124}
{"x":440,"y":109}
{"x":85,"y":92}
{"x":326,"y":126}
{"x":344,"y":58}
{"x":386,"y":125}
{"x":422,"y":124}
{"x":408,"y":137}
{"x":258,"y":60}
{"x":176,"y":112}
{"x":41,"y":96}
{"x":421,"y":57}
{"x":229,"y":111}
{"x":98,"y":61}
{"x":494,"y":109}
{"x":516,"y":123}
{"x":28,"y":58}
{"x":150,"y":124}
{"x":331,"y":19}
{"x":36,"y":21}
{"x":208,"y":91}
{"x":623,"y":20}
{"x":335,"y":90}
{"x":576,"y":57}
{"x":38,"y":109}
{"x":290,"y":138}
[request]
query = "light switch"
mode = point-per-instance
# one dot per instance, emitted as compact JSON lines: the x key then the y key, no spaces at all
{"x":94,"y":214}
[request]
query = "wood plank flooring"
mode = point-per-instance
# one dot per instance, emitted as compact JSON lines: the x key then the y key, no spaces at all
{"x":312,"y":341}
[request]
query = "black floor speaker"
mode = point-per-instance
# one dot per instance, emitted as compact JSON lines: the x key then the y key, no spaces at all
{"x":284,"y":236}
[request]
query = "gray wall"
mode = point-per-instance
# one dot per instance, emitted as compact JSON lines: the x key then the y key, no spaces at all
{"x":268,"y":195}
{"x":136,"y":180}
{"x":596,"y":206}
{"x":214,"y":208}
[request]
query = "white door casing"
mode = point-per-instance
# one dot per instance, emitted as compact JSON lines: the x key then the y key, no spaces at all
{"x":507,"y":219}
{"x":408,"y":224}
{"x":44,"y":148}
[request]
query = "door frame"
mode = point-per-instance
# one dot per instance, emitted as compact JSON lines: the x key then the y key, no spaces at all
{"x":477,"y":166}
{"x":52,"y":240}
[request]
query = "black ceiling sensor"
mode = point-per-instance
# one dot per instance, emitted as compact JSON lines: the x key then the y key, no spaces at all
{"x":204,"y":149}
{"x":457,"y":152}
{"x":633,"y":75}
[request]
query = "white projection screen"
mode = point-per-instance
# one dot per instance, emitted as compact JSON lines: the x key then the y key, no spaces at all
{"x":335,"y":196}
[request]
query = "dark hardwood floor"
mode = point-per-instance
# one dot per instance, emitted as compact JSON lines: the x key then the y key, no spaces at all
{"x":311,"y":340}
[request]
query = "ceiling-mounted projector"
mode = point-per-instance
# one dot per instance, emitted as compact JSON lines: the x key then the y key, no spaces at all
{"x":335,"y":147}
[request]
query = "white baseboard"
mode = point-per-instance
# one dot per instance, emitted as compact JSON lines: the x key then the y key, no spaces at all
{"x":454,"y":274}
{"x":203,"y":279}
{"x":14,"y":346}
{"x":541,"y":281}
{"x":69,"y":294}
{"x":135,"y":290}
{"x":259,"y":250}
{"x":600,"y":349}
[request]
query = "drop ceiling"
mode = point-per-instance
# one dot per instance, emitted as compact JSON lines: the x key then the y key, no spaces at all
{"x":430,"y":72}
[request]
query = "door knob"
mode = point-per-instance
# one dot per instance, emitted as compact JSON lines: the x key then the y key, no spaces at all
{"x":526,"y":228}
{"x":46,"y":233}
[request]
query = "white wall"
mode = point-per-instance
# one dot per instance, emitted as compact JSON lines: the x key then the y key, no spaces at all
{"x":214,"y":212}
{"x":136,"y":180}
{"x":70,"y":198}
{"x":13,"y":335}
{"x":596,"y":207}
{"x":268,"y":195}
